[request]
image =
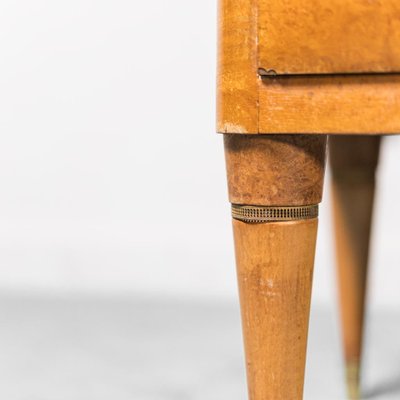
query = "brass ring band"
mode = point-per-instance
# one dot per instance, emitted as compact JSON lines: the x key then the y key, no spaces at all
{"x":260,"y":214}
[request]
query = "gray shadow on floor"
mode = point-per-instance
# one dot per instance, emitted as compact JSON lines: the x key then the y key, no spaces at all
{"x":158,"y":349}
{"x":389,"y":387}
{"x":382,"y":358}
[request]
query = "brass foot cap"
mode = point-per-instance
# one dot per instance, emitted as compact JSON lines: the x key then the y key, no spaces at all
{"x":353,"y":380}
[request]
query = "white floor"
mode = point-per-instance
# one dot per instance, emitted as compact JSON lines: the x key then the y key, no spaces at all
{"x":138,"y":349}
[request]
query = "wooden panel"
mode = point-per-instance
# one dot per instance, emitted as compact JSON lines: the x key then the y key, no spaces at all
{"x":237,"y":86}
{"x":335,"y":36}
{"x":339,"y":105}
{"x":325,"y":104}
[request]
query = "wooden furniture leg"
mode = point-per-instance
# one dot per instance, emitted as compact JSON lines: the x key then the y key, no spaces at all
{"x":275,"y":184}
{"x":353,"y":161}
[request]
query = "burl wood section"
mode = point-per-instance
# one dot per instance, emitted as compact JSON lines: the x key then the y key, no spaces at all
{"x":252,"y":40}
{"x":275,"y":268}
{"x":353,"y":162}
{"x":275,"y":170}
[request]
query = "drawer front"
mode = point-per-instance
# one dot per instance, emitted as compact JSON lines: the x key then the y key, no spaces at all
{"x":328,"y":36}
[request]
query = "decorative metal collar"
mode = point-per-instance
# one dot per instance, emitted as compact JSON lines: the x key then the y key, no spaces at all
{"x":260,"y":214}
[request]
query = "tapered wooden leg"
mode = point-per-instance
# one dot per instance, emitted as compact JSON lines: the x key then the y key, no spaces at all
{"x":275,"y":184}
{"x":353,"y":162}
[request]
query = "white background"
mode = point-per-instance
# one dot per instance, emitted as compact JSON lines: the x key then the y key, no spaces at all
{"x":111,"y":176}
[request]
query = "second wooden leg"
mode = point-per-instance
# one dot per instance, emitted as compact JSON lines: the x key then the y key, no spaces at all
{"x":353,"y":162}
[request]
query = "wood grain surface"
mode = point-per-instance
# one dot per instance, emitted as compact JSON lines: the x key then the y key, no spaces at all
{"x":275,"y":170}
{"x":237,"y":80}
{"x":335,"y":36}
{"x":322,"y":104}
{"x":275,"y":270}
{"x":339,"y":105}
